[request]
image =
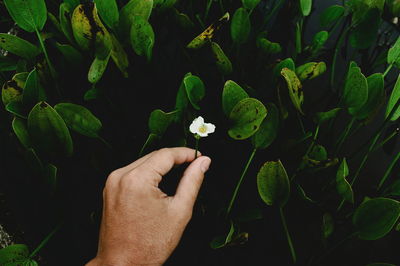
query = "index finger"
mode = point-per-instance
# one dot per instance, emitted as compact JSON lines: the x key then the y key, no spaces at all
{"x":162,"y":161}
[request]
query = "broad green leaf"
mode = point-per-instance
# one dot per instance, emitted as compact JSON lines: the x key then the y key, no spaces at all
{"x":134,"y":8}
{"x":79,"y":119}
{"x":223,"y":63}
{"x":310,"y":70}
{"x":218,"y":242}
{"x":268,"y":47}
{"x":318,"y":153}
{"x":88,"y":30}
{"x":321,"y":117}
{"x":342,"y":185}
{"x":73,"y":56}
{"x":142,"y":37}
{"x":97,"y":69}
{"x":207,"y":34}
{"x":108,"y":11}
{"x":18,"y":46}
{"x":33,"y":90}
{"x":48,"y":131}
{"x":240,"y":26}
{"x":181,"y":97}
{"x":393,"y":100}
{"x":393,"y":56}
{"x":159,"y":121}
{"x":7,"y":64}
{"x":250,"y":4}
{"x":195,"y":90}
{"x":330,"y":15}
{"x":246,"y":117}
{"x":21,"y":131}
{"x":182,"y":19}
{"x":231,"y":95}
{"x":12,"y":89}
{"x":268,"y":128}
{"x":65,"y":21}
{"x":355,"y":92}
{"x":30,"y":15}
{"x":295,"y":88}
{"x":13,"y":253}
{"x":18,"y":109}
{"x":305,"y":6}
{"x":119,"y":56}
{"x":328,"y":225}
{"x":273,"y":184}
{"x":287,"y":63}
{"x":366,"y":32}
{"x":376,"y":96}
{"x":376,"y":217}
{"x":92,"y":94}
{"x":318,"y":42}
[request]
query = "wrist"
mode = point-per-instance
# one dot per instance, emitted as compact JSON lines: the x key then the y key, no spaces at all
{"x":107,"y":262}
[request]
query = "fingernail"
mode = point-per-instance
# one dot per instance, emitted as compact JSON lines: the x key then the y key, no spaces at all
{"x":205,"y":164}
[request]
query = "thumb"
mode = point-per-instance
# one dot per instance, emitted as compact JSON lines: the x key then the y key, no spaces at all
{"x":191,"y":181}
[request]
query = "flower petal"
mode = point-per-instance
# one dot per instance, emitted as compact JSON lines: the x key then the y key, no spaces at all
{"x":205,"y":134}
{"x":194,"y":127}
{"x":210,"y":127}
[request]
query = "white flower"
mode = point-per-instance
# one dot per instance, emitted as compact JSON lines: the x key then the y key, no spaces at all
{"x":200,"y":128}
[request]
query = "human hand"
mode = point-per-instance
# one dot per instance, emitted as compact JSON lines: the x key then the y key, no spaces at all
{"x":141,"y":225}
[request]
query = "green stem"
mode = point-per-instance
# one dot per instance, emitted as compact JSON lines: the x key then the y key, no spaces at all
{"x":387,"y":70}
{"x":388,"y":170}
{"x":240,"y":182}
{"x":313,"y":141}
{"x":336,"y":54}
{"x":344,"y":135}
{"x":197,"y":146}
{"x":209,"y":3}
{"x":301,"y":123}
{"x":386,"y":140}
{"x":44,"y":241}
{"x":289,"y":239}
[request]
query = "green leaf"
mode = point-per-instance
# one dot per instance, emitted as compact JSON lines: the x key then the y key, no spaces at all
{"x":318,"y":42}
{"x":240,"y":26}
{"x":18,"y":46}
{"x":330,"y":15}
{"x":328,"y":225}
{"x":268,"y":128}
{"x":12,"y":90}
{"x":33,"y":90}
{"x":273,"y":184}
{"x":134,"y":8}
{"x":393,"y":56}
{"x":287,"y":63}
{"x":97,"y":69}
{"x":223,"y":63}
{"x":207,"y":34}
{"x":250,"y":4}
{"x":365,"y":33}
{"x":321,"y":117}
{"x":79,"y":119}
{"x":195,"y":90}
{"x":65,"y":21}
{"x":376,"y":96}
{"x":72,"y":3}
{"x":231,"y":95}
{"x":73,"y":56}
{"x":394,"y":98}
{"x":318,"y":153}
{"x":182,"y":19}
{"x":48,"y":131}
{"x":218,"y":242}
{"x":108,"y":11}
{"x":305,"y":6}
{"x":342,"y":185}
{"x":246,"y":117}
{"x":21,"y":131}
{"x":355,"y":92}
{"x":17,"y":108}
{"x":310,"y":70}
{"x":30,"y":15}
{"x":159,"y":121}
{"x":267,"y":46}
{"x":14,"y":253}
{"x":294,"y":86}
{"x":142,"y":37}
{"x":376,"y":217}
{"x":119,"y":56}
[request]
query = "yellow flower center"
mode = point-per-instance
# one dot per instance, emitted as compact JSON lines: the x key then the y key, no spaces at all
{"x":203,"y":129}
